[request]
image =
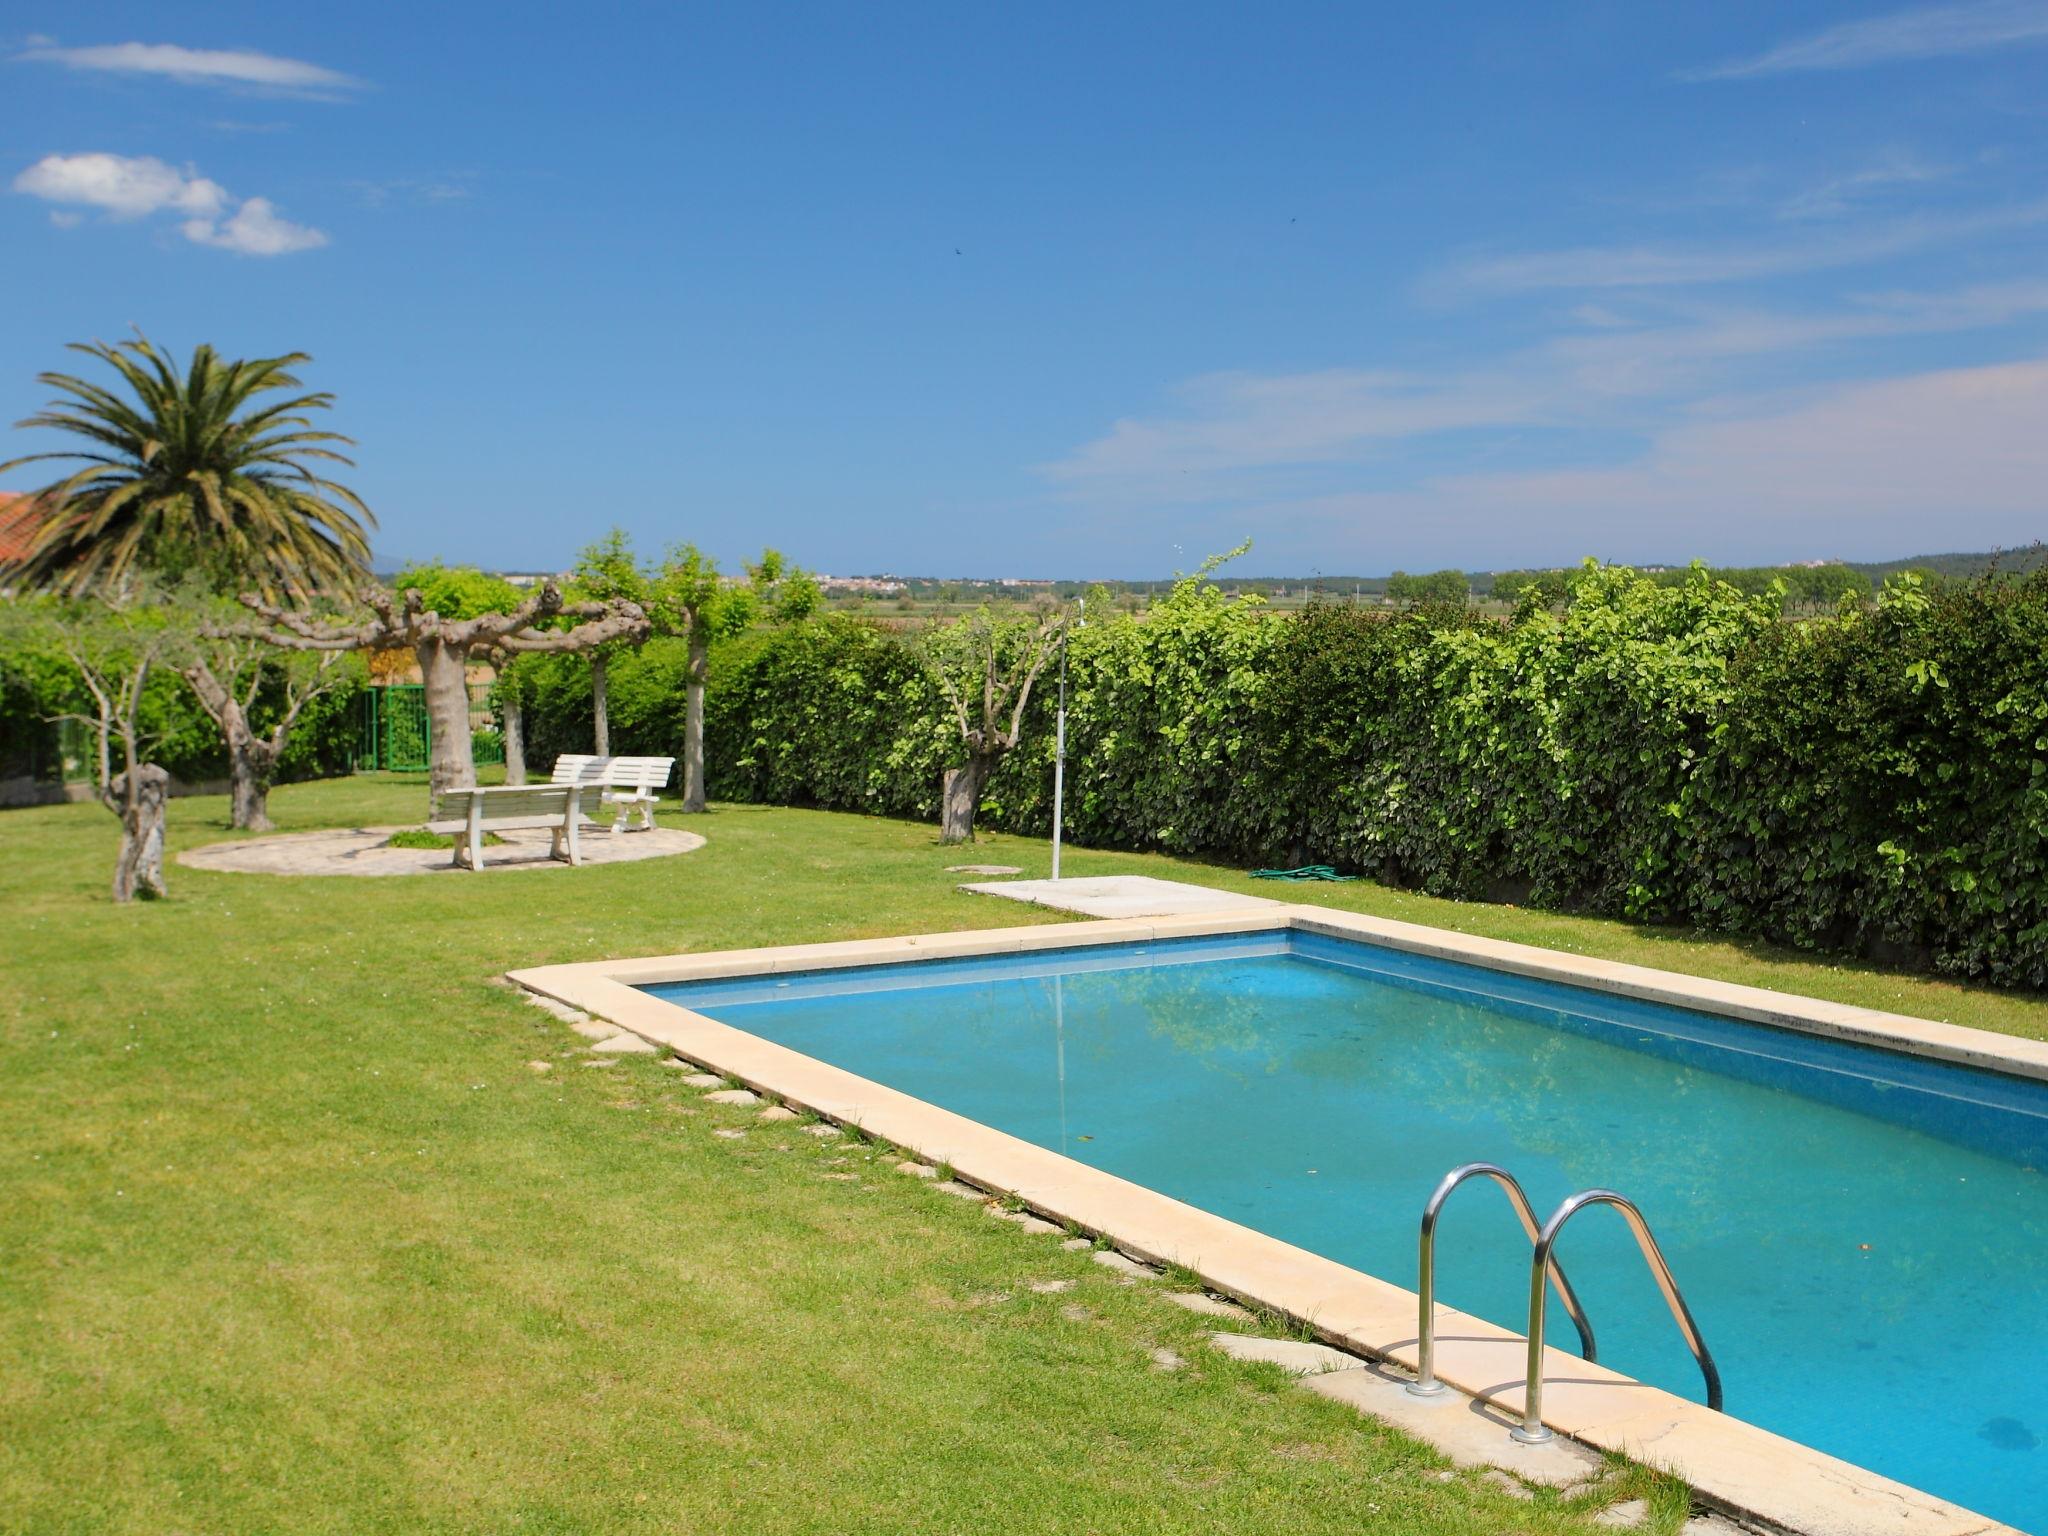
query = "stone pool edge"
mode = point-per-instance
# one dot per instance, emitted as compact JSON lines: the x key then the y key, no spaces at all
{"x":1739,"y":1467}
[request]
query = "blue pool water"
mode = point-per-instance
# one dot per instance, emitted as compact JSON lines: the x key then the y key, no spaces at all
{"x":1862,"y":1235}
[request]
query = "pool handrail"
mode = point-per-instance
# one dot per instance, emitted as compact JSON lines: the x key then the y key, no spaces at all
{"x":1532,"y":1430}
{"x":1425,"y":1383}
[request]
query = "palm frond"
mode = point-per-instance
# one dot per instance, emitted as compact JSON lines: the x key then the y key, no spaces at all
{"x":203,"y":465}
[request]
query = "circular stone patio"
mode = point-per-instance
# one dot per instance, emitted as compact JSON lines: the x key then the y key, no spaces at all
{"x":362,"y":851}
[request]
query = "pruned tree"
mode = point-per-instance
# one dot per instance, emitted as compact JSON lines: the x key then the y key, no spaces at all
{"x":232,"y":673}
{"x":607,"y":571}
{"x":508,"y":696}
{"x":688,"y":597}
{"x":114,"y":643}
{"x":985,"y":667}
{"x":444,"y":648}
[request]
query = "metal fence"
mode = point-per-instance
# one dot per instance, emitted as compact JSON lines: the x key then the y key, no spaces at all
{"x":394,"y":733}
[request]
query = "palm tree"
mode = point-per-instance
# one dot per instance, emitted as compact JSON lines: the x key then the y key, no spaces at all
{"x":194,"y":474}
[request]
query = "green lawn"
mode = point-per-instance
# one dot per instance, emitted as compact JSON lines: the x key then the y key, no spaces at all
{"x":293,"y":1237}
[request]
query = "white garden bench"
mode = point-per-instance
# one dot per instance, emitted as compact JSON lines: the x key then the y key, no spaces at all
{"x":629,"y":783}
{"x":470,"y":813}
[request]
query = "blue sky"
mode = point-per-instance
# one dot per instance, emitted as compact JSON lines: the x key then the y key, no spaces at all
{"x":1081,"y":290}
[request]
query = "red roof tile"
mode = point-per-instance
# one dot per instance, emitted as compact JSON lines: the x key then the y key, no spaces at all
{"x":17,"y":523}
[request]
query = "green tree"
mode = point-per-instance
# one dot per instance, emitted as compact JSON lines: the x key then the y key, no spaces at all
{"x":688,"y":598}
{"x":444,"y":643}
{"x":199,"y":472}
{"x":114,"y":644}
{"x":985,"y":666}
{"x":1447,"y":586}
{"x":253,"y":695}
{"x":605,"y":571}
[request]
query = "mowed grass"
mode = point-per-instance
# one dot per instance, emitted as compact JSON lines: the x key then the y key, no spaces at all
{"x":294,"y":1237}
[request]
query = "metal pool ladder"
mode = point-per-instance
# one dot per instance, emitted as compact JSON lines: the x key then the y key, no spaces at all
{"x":1543,"y":1267}
{"x":1425,"y":1383}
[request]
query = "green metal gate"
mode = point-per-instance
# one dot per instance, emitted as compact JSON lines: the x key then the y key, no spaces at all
{"x":394,"y":733}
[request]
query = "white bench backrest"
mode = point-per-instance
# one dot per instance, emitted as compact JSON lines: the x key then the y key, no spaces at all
{"x":642,"y":773}
{"x":506,"y":804}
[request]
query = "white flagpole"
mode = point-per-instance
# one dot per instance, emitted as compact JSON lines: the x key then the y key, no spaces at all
{"x":1059,"y":751}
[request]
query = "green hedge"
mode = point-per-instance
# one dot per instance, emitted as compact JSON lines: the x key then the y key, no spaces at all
{"x":1874,"y":782}
{"x":35,"y":687}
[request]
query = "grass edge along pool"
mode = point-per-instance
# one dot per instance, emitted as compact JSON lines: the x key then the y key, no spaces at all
{"x":1730,"y":1462}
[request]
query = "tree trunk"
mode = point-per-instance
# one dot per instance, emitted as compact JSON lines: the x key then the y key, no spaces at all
{"x":250,"y":768}
{"x":512,"y":717}
{"x":693,"y":725}
{"x":251,"y":762}
{"x":961,"y":797}
{"x":139,"y":871}
{"x":600,"y":704}
{"x":449,"y":761}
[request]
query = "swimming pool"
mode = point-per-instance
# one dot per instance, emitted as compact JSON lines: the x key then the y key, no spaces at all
{"x":1861,"y":1233}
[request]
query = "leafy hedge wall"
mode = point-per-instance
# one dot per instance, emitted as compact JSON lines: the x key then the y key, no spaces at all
{"x":36,"y":687}
{"x":1874,"y":782}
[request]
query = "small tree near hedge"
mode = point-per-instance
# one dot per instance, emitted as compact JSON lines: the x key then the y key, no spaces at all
{"x":114,"y":643}
{"x":985,"y":667}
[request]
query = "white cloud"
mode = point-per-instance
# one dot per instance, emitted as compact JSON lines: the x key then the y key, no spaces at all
{"x":1912,"y":464}
{"x":1630,"y":370}
{"x":203,"y":66}
{"x":1931,"y":32}
{"x":133,"y":187}
{"x":1844,"y":192}
{"x":128,"y":187}
{"x":1596,"y":267}
{"x":255,"y":230}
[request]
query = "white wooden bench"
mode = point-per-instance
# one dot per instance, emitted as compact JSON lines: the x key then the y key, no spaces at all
{"x":628,"y":783}
{"x":470,"y":813}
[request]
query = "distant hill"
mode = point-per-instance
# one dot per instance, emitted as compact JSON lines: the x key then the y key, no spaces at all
{"x":2018,"y":561}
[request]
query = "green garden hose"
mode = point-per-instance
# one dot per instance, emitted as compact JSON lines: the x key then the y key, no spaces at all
{"x":1306,"y":872}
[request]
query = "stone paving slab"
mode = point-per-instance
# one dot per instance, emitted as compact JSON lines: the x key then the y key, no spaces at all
{"x":1467,"y":1431}
{"x":1120,"y":896}
{"x":1293,"y":1355}
{"x":364,"y":851}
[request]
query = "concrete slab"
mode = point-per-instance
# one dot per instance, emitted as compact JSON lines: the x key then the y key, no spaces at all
{"x":623,"y":1044}
{"x":732,"y":1096}
{"x":1289,"y":1354}
{"x":1034,"y":1225}
{"x":1209,"y":1306}
{"x":1120,"y":896}
{"x":1115,"y":1262}
{"x":1463,"y":1429}
{"x":368,"y":851}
